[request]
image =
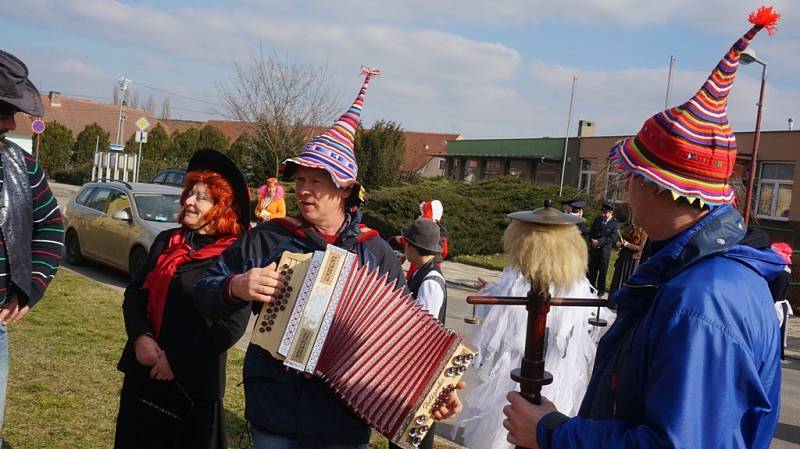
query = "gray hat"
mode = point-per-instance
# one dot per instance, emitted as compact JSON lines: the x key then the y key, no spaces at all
{"x":424,"y":234}
{"x":15,"y":87}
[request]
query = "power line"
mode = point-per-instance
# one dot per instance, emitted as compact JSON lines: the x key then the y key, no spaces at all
{"x":176,"y":94}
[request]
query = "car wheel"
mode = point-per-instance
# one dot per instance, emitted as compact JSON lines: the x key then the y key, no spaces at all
{"x":74,"y":256}
{"x":136,"y":260}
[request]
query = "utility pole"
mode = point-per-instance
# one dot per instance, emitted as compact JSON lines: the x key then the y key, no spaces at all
{"x":566,"y":137}
{"x":123,"y":87}
{"x":672,"y":60}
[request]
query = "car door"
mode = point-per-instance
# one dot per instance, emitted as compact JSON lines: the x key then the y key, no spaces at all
{"x":112,"y":234}
{"x":91,"y":220}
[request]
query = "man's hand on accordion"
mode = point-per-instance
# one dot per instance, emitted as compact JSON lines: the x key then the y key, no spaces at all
{"x":257,"y":284}
{"x":452,"y":407}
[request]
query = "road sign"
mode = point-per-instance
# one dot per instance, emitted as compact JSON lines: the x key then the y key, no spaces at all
{"x":142,"y":124}
{"x":115,"y":147}
{"x":141,"y":136}
{"x":37,"y":126}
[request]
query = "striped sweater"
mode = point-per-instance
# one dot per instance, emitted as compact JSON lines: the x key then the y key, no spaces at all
{"x":47,"y":241}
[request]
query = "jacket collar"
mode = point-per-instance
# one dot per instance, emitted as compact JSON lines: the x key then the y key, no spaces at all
{"x":716,"y":233}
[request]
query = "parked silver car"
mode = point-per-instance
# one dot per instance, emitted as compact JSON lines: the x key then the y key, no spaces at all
{"x":115,"y":222}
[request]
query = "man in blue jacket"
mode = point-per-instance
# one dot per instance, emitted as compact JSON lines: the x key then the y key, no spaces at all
{"x":693,"y":358}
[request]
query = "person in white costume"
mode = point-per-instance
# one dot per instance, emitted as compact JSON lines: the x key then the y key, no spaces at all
{"x":500,"y":339}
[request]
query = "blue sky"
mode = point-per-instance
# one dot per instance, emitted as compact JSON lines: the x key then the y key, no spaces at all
{"x":483,"y":69}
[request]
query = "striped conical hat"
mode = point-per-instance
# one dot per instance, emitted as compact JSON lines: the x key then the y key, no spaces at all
{"x":690,"y":149}
{"x":332,"y":150}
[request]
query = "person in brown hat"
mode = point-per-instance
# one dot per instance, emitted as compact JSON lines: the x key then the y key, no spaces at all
{"x":422,"y":243}
{"x":31,"y":232}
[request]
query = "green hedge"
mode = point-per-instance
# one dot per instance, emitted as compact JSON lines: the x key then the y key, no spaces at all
{"x":474,"y":213}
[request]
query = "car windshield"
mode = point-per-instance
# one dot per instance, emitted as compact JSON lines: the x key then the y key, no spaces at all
{"x":158,"y":207}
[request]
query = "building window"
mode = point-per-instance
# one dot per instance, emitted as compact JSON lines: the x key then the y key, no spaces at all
{"x":774,"y":196}
{"x":442,"y":164}
{"x":615,"y":186}
{"x":520,"y":169}
{"x":587,"y":179}
{"x":493,"y":168}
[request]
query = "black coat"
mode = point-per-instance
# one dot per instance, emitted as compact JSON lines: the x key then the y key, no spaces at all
{"x":196,"y":347}
{"x":605,"y":234}
{"x":278,"y":400}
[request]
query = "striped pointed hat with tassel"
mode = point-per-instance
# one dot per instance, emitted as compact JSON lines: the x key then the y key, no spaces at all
{"x":332,"y":150}
{"x":690,"y":149}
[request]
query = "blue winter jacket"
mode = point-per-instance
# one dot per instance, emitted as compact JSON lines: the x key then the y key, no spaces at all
{"x":693,"y":359}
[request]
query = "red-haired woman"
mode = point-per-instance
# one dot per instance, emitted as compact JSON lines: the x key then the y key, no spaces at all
{"x":631,"y":245}
{"x":174,"y":361}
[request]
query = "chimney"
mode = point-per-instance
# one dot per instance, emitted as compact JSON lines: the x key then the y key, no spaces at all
{"x":55,"y":98}
{"x":585,"y":128}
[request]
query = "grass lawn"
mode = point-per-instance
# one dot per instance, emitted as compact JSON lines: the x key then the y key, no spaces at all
{"x":63,"y":383}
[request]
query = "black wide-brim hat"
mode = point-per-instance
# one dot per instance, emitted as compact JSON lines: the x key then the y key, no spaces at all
{"x":15,"y":87}
{"x":214,"y":161}
{"x":608,"y":206}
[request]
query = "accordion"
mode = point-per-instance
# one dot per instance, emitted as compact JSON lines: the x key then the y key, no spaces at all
{"x":388,"y":359}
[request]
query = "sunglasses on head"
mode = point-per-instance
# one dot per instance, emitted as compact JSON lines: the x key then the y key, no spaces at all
{"x":6,"y":110}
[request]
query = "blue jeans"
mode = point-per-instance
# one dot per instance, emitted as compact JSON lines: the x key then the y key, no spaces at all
{"x":3,"y":373}
{"x":265,"y":440}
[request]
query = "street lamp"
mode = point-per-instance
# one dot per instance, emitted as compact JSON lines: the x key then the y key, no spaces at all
{"x":748,"y":56}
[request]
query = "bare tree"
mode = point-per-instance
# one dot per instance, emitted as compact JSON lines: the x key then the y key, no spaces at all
{"x":133,"y":98}
{"x":282,"y":102}
{"x":166,"y":110}
{"x":150,"y":104}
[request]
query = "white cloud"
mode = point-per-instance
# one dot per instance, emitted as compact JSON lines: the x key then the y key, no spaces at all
{"x":76,"y":68}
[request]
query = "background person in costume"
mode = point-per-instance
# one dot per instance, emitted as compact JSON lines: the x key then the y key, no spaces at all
{"x":693,"y":357}
{"x":602,"y":234}
{"x":175,"y":358}
{"x":31,"y":232}
{"x":287,"y":409}
{"x":422,"y":244}
{"x":631,"y":244}
{"x":430,"y":210}
{"x":779,"y":287}
{"x":500,"y":339}
{"x":270,"y":204}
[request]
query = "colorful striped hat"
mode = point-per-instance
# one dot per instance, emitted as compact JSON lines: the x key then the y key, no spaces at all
{"x":333,"y":150}
{"x":690,"y":149}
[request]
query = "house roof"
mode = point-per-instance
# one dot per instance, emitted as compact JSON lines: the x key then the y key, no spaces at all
{"x":422,"y":147}
{"x":550,"y":148}
{"x":173,"y":125}
{"x":231,"y":129}
{"x":75,"y":114}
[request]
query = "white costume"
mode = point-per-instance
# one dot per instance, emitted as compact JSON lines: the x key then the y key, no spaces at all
{"x":571,"y":346}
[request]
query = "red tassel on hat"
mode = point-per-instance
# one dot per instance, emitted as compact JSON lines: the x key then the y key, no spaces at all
{"x":766,"y":17}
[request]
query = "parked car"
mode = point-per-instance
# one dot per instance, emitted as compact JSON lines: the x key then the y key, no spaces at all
{"x":171,"y":177}
{"x":114,"y":223}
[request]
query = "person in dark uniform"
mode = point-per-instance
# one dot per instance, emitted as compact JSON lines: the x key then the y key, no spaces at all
{"x":602,"y":235}
{"x":576,"y":207}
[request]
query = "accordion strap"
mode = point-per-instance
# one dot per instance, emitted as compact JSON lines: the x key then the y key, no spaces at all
{"x":302,"y":230}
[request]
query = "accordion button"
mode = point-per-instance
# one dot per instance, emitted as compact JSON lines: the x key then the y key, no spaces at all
{"x":423,"y":430}
{"x":271,"y":322}
{"x":269,"y":328}
{"x":421,"y":420}
{"x":289,"y":288}
{"x":284,"y":302}
{"x":413,"y":432}
{"x":285,"y":266}
{"x":283,"y":307}
{"x":283,"y":290}
{"x":273,"y":315}
{"x":263,"y":323}
{"x":287,"y":278}
{"x":261,"y":329}
{"x":283,"y":273}
{"x":290,"y":271}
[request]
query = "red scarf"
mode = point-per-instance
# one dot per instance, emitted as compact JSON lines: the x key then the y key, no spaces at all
{"x":177,"y":253}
